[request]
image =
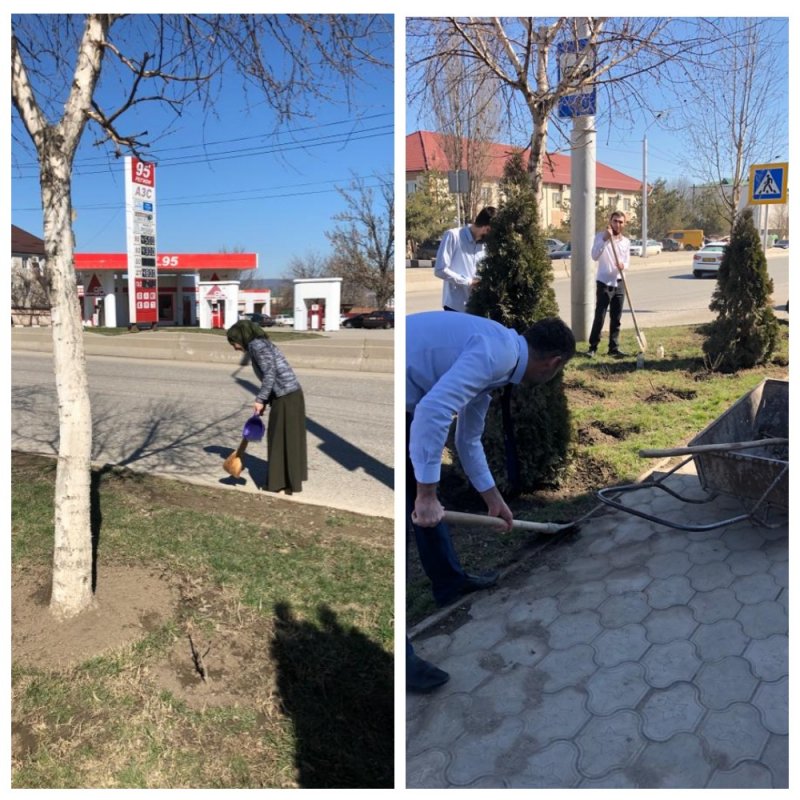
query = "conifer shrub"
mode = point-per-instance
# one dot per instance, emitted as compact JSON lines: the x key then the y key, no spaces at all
{"x":745,"y":332}
{"x":516,"y":290}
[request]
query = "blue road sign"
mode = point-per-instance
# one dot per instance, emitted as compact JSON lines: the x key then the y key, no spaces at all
{"x":584,"y":102}
{"x":768,"y":183}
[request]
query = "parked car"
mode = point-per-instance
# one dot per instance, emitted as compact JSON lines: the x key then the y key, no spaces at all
{"x":553,"y":244}
{"x":284,"y":318}
{"x":264,"y":320}
{"x":565,"y":251}
{"x":782,"y":243}
{"x":689,"y":238}
{"x":428,"y":249}
{"x":379,"y":319}
{"x":355,"y":320}
{"x":707,"y":259}
{"x":653,"y":247}
{"x":670,"y":245}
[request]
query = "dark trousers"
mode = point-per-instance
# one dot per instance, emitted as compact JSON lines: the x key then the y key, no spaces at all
{"x":612,"y":300}
{"x":434,"y":545}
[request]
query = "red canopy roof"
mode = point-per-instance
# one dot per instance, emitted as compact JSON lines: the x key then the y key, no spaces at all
{"x":169,"y":262}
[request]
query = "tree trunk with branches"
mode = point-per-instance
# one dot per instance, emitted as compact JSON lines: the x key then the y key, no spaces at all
{"x":317,"y":55}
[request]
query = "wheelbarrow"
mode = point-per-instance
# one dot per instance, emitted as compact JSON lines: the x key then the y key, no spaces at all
{"x":744,"y":454}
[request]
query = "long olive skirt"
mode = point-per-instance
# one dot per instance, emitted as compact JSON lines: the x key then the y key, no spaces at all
{"x":286,"y":443}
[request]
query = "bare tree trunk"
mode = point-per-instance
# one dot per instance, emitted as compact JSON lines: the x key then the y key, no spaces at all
{"x":72,"y":552}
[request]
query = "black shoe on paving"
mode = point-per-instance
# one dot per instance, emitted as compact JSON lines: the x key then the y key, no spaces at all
{"x":617,"y":353}
{"x":423,"y":677}
{"x":472,"y":583}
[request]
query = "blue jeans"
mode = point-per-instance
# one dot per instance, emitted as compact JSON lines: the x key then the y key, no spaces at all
{"x":434,"y":545}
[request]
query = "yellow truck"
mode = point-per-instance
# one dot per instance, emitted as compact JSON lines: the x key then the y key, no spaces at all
{"x":688,"y":239}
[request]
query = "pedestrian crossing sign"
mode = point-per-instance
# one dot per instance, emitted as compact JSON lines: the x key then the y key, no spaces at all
{"x":768,"y":183}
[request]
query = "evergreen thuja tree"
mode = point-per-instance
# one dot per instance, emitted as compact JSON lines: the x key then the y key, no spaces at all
{"x":745,"y":332}
{"x":516,"y":290}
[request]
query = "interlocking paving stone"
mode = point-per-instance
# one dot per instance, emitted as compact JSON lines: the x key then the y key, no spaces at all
{"x":618,"y":779}
{"x":466,"y":672}
{"x":608,"y":743}
{"x":734,"y":734}
{"x":743,"y":538}
{"x":751,"y":589}
{"x":551,"y":768}
{"x":567,"y":667}
{"x":509,"y":693}
{"x":747,"y":562}
{"x":478,"y":635}
{"x":600,"y":545}
{"x":588,"y":568}
{"x":715,"y":605}
{"x":531,"y":615}
{"x":664,"y":565}
{"x":557,"y":716}
{"x":490,"y":604}
{"x":630,"y":555}
{"x":678,"y":763}
{"x":433,"y":648}
{"x":632,"y":530}
{"x":776,"y":757}
{"x":748,"y":775}
{"x":761,"y":620}
{"x":780,"y":571}
{"x":666,"y":592}
{"x":614,"y":688}
{"x":769,"y":658}
{"x":670,"y":711}
{"x":543,"y":585}
{"x":724,"y":682}
{"x":581,"y":597}
{"x":666,"y":625}
{"x":440,"y":726}
{"x":571,"y":629}
{"x":772,"y":700}
{"x":469,"y":760}
{"x":627,"y":579}
{"x":776,"y":551}
{"x":667,"y":663}
{"x":705,"y":577}
{"x":707,"y":551}
{"x":624,"y":609}
{"x":525,"y":651}
{"x":665,"y":542}
{"x":720,"y":639}
{"x":783,"y":599}
{"x":616,"y":645}
{"x":427,"y":770}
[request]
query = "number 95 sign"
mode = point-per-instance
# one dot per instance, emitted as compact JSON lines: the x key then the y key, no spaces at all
{"x":143,"y":172}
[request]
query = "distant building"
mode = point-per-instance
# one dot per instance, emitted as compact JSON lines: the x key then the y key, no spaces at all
{"x":30,"y":304}
{"x":425,"y":152}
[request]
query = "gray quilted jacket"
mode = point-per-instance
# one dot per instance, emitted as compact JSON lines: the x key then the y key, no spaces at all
{"x":273,"y":370}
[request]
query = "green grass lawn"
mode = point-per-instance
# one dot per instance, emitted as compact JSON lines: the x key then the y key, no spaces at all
{"x":295,"y":604}
{"x":616,"y":410}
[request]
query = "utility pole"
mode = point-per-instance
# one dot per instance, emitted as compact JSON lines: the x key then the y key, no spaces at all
{"x":583,"y":176}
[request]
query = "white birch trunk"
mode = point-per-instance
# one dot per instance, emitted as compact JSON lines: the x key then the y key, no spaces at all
{"x":56,"y":146}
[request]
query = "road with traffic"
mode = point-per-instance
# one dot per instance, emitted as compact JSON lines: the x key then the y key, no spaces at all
{"x":662,"y":288}
{"x":181,"y":419}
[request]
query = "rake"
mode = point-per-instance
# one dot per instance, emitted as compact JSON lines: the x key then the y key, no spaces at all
{"x":640,"y":337}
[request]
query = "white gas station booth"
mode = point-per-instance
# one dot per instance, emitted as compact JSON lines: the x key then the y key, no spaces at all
{"x":193,"y":288}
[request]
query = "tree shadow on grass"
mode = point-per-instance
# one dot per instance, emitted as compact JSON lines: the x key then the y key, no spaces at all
{"x":338,"y":688}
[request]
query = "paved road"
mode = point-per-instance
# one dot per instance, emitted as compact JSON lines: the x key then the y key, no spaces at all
{"x":662,"y":287}
{"x":182,"y":419}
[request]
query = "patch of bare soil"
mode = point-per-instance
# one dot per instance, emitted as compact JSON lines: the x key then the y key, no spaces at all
{"x":130,"y":601}
{"x":597,"y":432}
{"x":669,"y":395}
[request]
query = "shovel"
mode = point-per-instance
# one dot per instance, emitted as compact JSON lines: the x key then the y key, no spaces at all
{"x":640,"y":337}
{"x":518,"y":524}
{"x":233,"y":463}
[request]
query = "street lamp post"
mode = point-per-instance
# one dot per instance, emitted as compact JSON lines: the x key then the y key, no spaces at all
{"x":644,"y":185}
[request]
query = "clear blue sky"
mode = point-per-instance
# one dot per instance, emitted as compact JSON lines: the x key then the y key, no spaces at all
{"x":227,"y":180}
{"x":619,"y":141}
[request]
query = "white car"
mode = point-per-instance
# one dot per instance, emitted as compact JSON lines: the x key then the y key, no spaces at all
{"x":284,"y":319}
{"x":653,"y":247}
{"x":707,"y":259}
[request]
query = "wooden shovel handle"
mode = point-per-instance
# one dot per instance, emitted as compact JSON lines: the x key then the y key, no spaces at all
{"x":483,"y":519}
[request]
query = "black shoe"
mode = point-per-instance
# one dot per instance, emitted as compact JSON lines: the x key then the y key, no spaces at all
{"x":423,"y":677}
{"x":618,"y":353}
{"x":472,"y":583}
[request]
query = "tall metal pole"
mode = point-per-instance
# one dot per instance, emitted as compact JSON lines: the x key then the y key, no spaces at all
{"x":644,"y":196}
{"x":583,"y":177}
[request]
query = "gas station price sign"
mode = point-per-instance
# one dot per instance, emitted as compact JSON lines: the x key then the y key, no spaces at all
{"x":140,"y":207}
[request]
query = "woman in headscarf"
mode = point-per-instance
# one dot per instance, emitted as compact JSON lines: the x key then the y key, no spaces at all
{"x":280,"y":389}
